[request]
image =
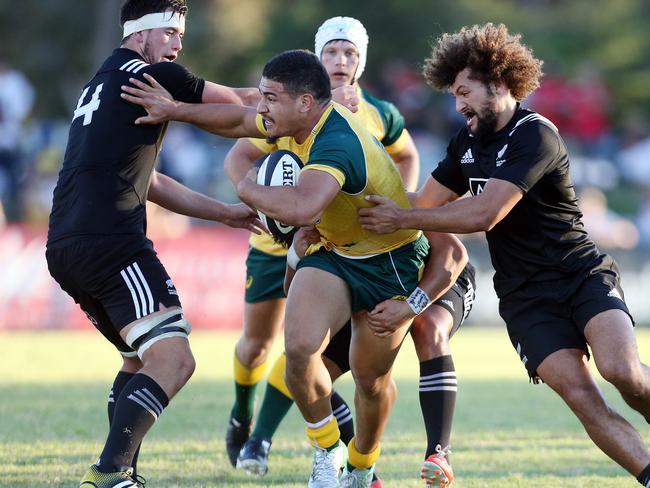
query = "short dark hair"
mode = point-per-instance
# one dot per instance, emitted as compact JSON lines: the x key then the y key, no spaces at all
{"x":134,"y":9}
{"x":300,"y":71}
{"x":490,"y":53}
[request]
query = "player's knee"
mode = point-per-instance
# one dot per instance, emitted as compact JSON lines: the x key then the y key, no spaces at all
{"x":430,"y":343}
{"x":624,"y":375}
{"x":585,"y":400}
{"x":161,"y":343}
{"x":252,"y":350}
{"x":372,"y":384}
{"x":300,"y":350}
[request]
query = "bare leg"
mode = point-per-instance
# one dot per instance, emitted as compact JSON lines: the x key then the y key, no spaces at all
{"x":371,"y":360}
{"x":566,"y":372}
{"x":611,"y":337}
{"x":262,"y":324}
{"x":317,"y":307}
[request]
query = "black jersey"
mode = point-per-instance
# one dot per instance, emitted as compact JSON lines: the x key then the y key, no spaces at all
{"x":542,"y":238}
{"x":103,"y":184}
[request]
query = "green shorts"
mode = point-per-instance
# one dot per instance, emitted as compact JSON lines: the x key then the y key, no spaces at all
{"x":264,"y":276}
{"x":373,"y":280}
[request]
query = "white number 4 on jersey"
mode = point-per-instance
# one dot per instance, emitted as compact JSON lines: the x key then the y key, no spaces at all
{"x":88,"y":109}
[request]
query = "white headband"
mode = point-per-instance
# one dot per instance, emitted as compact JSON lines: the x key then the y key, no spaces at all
{"x":155,"y":21}
{"x":347,"y":29}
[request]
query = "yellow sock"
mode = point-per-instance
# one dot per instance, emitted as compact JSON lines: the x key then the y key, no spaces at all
{"x":325,"y":436}
{"x":359,"y":460}
{"x":277,"y":376}
{"x":247,"y":376}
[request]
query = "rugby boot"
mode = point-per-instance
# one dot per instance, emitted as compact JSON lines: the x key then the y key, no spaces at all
{"x":236,"y":436}
{"x":437,"y":472}
{"x":94,"y":478}
{"x":376,"y":481}
{"x":327,"y":466}
{"x":357,"y":477}
{"x":254,"y":456}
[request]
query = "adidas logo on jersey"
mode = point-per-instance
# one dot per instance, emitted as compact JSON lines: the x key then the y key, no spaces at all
{"x":614,"y":293}
{"x":467,"y":157}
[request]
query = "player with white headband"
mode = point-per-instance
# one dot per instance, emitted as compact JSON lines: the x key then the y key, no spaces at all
{"x":342,"y":44}
{"x":97,"y":249}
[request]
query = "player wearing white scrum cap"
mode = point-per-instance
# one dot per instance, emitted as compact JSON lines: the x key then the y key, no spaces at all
{"x":344,"y":29}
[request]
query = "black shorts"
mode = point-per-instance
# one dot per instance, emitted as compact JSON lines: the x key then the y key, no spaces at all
{"x":545,"y":317}
{"x":457,"y":300}
{"x":115,"y":280}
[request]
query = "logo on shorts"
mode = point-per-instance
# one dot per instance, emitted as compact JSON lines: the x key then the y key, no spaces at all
{"x":249,"y":282}
{"x":523,"y":357}
{"x":614,"y":293}
{"x":171,"y":289}
{"x":91,"y":318}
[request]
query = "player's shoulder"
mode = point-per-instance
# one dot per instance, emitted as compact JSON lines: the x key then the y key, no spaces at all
{"x":340,"y":122}
{"x":386,"y":109}
{"x":527,"y":123}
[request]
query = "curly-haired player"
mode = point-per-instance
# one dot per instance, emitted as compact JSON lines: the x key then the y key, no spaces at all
{"x":559,"y":295}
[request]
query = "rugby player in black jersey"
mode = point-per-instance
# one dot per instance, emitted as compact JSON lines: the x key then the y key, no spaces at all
{"x":558,"y":294}
{"x":97,"y":248}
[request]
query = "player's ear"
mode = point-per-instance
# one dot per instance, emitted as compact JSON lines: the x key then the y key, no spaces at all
{"x":138,"y":37}
{"x":500,"y":88}
{"x":306,"y":102}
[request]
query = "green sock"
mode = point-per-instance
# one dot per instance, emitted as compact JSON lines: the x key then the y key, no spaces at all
{"x":244,"y":405}
{"x":273,"y":410}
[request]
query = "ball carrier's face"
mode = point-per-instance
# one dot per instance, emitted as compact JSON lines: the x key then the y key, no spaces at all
{"x":284,"y":113}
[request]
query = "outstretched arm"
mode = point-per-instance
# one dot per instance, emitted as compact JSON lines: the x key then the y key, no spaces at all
{"x":463,"y":216}
{"x":172,"y":195}
{"x":216,"y":93}
{"x":222,"y":119}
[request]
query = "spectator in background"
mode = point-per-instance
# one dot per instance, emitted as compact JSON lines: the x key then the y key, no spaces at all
{"x":16,"y":100}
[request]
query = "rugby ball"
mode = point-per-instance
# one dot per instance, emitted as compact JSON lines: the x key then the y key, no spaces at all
{"x":279,"y":168}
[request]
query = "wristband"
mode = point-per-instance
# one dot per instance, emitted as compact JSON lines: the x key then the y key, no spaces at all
{"x":418,"y":300}
{"x":292,"y":258}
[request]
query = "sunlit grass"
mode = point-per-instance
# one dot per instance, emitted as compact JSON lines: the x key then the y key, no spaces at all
{"x":507,"y":432}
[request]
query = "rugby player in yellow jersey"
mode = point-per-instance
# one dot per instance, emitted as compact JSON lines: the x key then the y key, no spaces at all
{"x":342,"y":44}
{"x":350,"y":273}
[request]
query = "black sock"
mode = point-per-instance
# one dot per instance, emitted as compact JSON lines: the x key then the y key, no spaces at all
{"x":437,"y":400}
{"x":644,"y":477}
{"x":119,"y":383}
{"x":136,"y":409}
{"x":343,"y":417}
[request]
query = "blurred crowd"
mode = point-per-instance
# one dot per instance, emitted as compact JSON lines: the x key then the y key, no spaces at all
{"x":610,"y":161}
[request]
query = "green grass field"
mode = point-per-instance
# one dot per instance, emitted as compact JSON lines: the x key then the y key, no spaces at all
{"x":507,"y":433}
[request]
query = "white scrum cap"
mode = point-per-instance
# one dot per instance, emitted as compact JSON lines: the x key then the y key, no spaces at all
{"x":347,"y":29}
{"x":155,"y":21}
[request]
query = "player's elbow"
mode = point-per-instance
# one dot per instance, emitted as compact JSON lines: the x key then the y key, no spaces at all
{"x":460,"y":256}
{"x":305,"y":216}
{"x":485,"y":220}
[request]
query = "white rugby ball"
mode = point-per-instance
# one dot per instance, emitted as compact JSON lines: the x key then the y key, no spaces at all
{"x":279,"y":168}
